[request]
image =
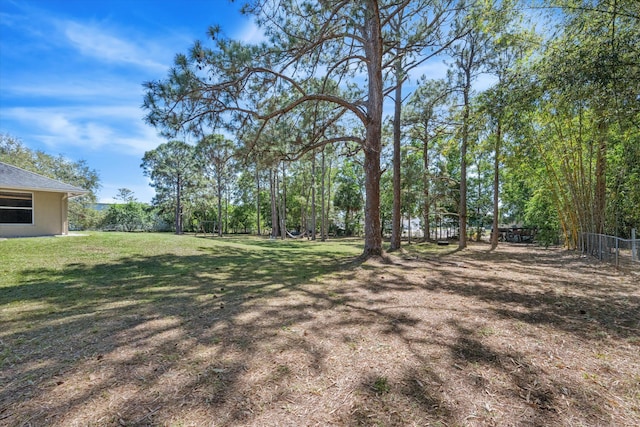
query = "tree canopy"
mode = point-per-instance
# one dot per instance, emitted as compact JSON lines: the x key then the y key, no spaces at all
{"x":552,"y":141}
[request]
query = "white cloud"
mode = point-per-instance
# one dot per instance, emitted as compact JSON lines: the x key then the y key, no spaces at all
{"x":112,"y":44}
{"x":74,"y":88}
{"x":113,"y":128}
{"x":250,"y":33}
{"x":146,"y":138}
{"x":94,"y":41}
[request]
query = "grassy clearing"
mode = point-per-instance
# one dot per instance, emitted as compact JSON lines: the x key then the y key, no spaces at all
{"x":156,"y":329}
{"x":74,"y":275}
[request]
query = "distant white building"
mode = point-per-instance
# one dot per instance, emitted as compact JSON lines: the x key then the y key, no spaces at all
{"x":416,"y":228}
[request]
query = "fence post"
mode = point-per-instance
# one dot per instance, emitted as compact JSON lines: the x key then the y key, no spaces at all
{"x":600,"y":250}
{"x":634,"y":245}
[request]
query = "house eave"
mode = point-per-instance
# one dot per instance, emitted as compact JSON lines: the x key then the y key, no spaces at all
{"x":70,"y":193}
{"x":16,"y":178}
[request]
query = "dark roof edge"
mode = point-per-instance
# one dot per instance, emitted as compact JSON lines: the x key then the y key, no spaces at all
{"x":71,"y":190}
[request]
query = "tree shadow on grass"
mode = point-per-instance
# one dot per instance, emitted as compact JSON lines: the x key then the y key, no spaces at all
{"x":578,"y":300}
{"x":525,"y":380}
{"x":124,"y":327}
{"x":543,"y":396}
{"x":221,"y":335}
{"x":586,"y":306}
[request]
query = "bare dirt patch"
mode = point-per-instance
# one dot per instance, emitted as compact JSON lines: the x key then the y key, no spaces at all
{"x":519,"y":336}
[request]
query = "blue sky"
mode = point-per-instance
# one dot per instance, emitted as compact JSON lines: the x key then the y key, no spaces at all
{"x":71,"y":74}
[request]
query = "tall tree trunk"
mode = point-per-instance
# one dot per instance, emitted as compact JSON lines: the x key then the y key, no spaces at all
{"x":178,"y":214}
{"x":373,"y":128}
{"x":396,"y":216}
{"x":496,"y":186}
{"x":226,"y":212}
{"x":258,"y":201}
{"x":304,"y":210}
{"x":372,"y":226}
{"x":219,"y":183}
{"x":313,"y":196}
{"x":347,"y":223}
{"x":283,"y":205}
{"x":323,"y":219}
{"x":479,"y":227}
{"x":436,"y":219}
{"x":273,"y":177}
{"x":426,"y":181}
{"x":327,"y":217}
{"x":462,"y":243}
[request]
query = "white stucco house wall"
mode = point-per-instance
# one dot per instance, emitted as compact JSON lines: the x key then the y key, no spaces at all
{"x":32,"y":204}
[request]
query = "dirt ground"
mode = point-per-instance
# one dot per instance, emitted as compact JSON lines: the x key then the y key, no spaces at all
{"x":521,"y":336}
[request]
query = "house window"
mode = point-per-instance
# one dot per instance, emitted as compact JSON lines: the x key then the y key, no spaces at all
{"x":16,"y":208}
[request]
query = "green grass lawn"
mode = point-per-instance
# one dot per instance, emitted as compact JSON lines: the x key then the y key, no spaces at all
{"x":79,"y":274}
{"x":64,"y":299}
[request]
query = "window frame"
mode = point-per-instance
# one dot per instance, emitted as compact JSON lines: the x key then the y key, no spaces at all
{"x":32,"y":208}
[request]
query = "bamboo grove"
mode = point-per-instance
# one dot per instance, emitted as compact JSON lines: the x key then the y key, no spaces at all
{"x":337,"y":122}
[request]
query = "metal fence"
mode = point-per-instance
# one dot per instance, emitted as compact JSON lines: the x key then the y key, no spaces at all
{"x":621,"y":252}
